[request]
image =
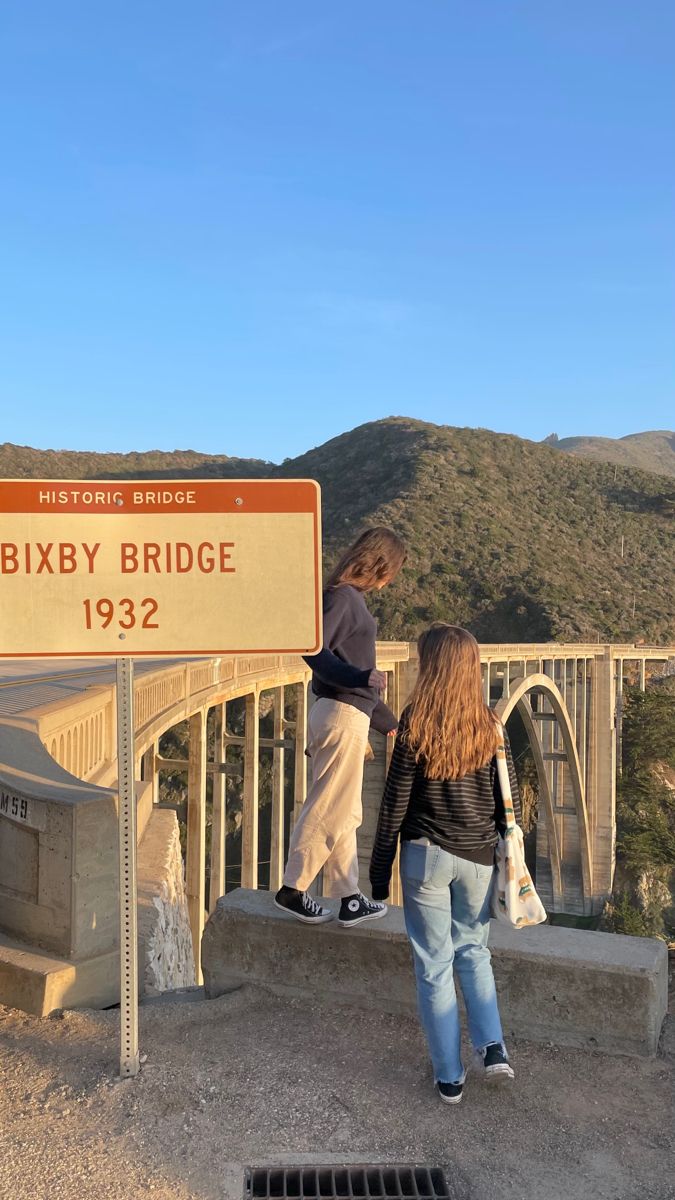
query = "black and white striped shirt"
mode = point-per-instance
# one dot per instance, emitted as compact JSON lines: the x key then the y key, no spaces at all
{"x":462,"y":816}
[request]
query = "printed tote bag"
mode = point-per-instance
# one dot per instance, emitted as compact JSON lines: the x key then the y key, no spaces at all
{"x":514,"y":899}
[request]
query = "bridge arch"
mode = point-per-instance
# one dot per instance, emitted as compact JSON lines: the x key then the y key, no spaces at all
{"x":519,"y":692}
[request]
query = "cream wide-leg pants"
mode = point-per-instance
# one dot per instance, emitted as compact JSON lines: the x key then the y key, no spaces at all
{"x":325,"y":833}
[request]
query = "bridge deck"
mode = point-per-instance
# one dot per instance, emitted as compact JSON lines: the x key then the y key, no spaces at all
{"x":28,"y":683}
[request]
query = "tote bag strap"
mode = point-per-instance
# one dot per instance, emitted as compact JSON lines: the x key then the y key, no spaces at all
{"x":505,"y":784}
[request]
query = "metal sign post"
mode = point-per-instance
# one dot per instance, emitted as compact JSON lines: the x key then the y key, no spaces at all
{"x":129,"y":1062}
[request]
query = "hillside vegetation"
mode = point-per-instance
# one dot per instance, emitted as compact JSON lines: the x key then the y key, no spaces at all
{"x":512,"y":538}
{"x":644,"y":901}
{"x":651,"y":451}
{"x":23,"y":462}
{"x":509,"y":537}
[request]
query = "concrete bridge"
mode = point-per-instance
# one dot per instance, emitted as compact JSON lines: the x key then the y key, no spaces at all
{"x":58,"y":804}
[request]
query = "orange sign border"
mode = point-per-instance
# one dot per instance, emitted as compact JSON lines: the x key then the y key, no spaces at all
{"x":268,"y":496}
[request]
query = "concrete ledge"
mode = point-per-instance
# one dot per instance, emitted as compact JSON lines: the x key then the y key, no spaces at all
{"x":599,"y":991}
{"x":39,"y":983}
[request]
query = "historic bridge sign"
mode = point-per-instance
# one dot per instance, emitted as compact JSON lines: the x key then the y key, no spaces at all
{"x":159,"y":567}
{"x":154,"y":567}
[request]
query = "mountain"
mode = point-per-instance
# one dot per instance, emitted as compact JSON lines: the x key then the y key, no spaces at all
{"x":512,"y":538}
{"x":509,"y":537}
{"x":651,"y":451}
{"x":23,"y":462}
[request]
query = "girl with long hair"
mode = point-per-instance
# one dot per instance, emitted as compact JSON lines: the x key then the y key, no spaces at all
{"x":442,"y":797}
{"x":347,"y":688}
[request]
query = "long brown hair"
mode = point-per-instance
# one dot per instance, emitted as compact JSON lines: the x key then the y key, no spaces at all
{"x":376,"y":555}
{"x":451,"y":729}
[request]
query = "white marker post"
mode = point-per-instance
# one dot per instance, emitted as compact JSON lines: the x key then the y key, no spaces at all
{"x":166,"y":567}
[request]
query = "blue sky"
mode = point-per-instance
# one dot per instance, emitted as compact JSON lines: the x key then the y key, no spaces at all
{"x":247,"y":227}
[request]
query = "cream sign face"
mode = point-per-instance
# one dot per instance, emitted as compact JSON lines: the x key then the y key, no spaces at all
{"x":159,"y":567}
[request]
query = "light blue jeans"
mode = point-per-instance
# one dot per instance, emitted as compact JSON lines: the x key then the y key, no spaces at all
{"x":447,"y":914}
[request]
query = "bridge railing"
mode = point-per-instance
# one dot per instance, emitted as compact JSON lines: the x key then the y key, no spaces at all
{"x":79,"y":735}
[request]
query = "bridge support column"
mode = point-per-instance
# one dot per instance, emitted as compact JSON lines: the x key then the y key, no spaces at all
{"x":602,"y":791}
{"x":618,"y":692}
{"x":300,"y":780}
{"x":218,"y":826}
{"x":394,"y":698}
{"x":149,"y":772}
{"x":396,"y":705}
{"x":249,"y":838}
{"x":374,"y":775}
{"x":583,"y":725}
{"x":407,"y":673}
{"x":195,"y":870}
{"x":548,"y":825}
{"x":278,"y":799}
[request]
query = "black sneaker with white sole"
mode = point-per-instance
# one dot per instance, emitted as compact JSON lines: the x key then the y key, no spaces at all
{"x":301,"y":906}
{"x":357,"y":908}
{"x":450,"y":1093}
{"x":496,"y":1063}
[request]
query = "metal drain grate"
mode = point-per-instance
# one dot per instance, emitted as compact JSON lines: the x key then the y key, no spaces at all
{"x":346,"y":1183}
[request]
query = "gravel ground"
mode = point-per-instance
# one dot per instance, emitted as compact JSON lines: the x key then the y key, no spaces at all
{"x":254,"y":1079}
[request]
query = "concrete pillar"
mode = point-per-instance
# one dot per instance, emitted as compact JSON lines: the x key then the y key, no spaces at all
{"x":394,"y":690}
{"x":643,"y":674}
{"x":545,"y":729}
{"x":575,"y":700}
{"x":583,"y":723}
{"x":486,"y":681}
{"x":619,"y":713}
{"x":374,"y":775}
{"x":300,"y":781}
{"x":407,"y":671}
{"x":249,"y":839}
{"x":149,"y":772}
{"x":195,"y":870}
{"x":219,"y":813}
{"x":601,"y":795}
{"x":278,"y":762}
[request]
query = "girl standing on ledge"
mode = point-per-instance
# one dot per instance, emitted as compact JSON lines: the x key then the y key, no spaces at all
{"x":442,"y":796}
{"x":347,"y":688}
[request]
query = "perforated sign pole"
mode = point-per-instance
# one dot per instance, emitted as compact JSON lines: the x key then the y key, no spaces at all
{"x":129,"y":1062}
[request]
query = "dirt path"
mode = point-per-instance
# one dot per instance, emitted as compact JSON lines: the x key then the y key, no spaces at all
{"x":252,"y":1079}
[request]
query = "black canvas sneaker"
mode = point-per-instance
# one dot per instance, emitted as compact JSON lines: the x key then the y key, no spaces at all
{"x":357,"y":908}
{"x":496,"y":1063}
{"x":301,"y":906}
{"x":450,"y":1093}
